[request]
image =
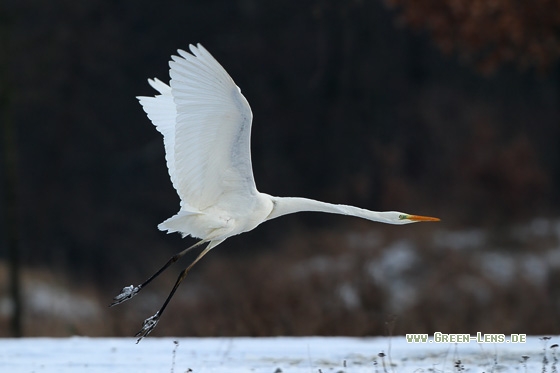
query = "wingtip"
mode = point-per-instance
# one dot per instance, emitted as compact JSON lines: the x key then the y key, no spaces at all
{"x":153,"y":82}
{"x":159,"y":86}
{"x":194,"y":48}
{"x":198,"y":49}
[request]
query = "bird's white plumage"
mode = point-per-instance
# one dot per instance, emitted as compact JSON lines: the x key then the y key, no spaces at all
{"x":206,"y":124}
{"x":162,"y":112}
{"x":212,"y":135}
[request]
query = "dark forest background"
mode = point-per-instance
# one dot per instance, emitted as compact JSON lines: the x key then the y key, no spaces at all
{"x":434,"y":107}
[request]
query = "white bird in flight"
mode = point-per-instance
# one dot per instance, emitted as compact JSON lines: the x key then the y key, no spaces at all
{"x":206,"y":126}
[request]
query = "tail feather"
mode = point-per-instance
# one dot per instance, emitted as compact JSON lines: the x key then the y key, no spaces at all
{"x":177,"y":223}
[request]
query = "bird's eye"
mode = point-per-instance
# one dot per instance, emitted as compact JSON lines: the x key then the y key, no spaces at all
{"x":402,"y":217}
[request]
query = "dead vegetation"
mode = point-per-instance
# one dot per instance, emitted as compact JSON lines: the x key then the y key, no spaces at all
{"x":335,"y":282}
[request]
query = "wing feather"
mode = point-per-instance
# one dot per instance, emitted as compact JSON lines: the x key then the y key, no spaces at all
{"x":206,"y":125}
{"x":162,"y":112}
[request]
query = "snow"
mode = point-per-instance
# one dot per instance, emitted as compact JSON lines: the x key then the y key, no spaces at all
{"x":389,"y":271}
{"x":272,"y":355}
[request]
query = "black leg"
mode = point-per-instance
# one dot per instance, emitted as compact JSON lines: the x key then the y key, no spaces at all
{"x":151,"y":322}
{"x":130,"y":291}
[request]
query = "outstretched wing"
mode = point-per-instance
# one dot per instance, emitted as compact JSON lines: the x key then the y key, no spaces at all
{"x":162,"y":112}
{"x":206,"y":124}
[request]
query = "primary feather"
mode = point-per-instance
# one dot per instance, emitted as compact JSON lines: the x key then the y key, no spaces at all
{"x":162,"y":112}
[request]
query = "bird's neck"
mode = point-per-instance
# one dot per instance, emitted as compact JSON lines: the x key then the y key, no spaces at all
{"x":290,"y":205}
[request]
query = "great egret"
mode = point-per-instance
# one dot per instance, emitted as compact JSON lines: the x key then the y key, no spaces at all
{"x":206,"y":126}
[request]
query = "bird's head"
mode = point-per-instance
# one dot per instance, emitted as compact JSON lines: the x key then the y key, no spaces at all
{"x":396,"y":217}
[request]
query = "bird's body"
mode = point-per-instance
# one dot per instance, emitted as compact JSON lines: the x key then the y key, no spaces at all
{"x":216,"y":223}
{"x":206,"y":126}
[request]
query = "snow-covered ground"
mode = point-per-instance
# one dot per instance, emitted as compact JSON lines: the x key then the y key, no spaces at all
{"x":273,"y":355}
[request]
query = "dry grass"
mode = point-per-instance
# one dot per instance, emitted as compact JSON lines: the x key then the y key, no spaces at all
{"x":327,"y":282}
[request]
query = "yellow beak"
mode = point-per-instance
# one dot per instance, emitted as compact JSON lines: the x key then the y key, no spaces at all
{"x":421,"y":218}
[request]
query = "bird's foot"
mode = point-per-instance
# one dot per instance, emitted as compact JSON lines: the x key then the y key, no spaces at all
{"x":148,"y":325}
{"x":126,"y":293}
